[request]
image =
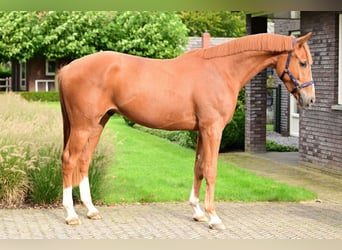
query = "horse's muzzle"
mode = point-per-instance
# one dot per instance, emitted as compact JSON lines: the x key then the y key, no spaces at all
{"x":305,"y":102}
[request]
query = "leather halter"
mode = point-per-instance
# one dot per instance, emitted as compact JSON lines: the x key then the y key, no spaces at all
{"x":298,"y":85}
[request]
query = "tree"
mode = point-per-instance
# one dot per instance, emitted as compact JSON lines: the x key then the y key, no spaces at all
{"x":15,"y":27}
{"x":65,"y":34}
{"x":217,"y":23}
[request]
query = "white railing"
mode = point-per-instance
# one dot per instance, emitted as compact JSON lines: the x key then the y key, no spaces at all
{"x":7,"y":85}
{"x":45,"y":84}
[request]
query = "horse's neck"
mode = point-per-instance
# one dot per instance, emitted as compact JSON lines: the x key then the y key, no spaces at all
{"x":243,"y":66}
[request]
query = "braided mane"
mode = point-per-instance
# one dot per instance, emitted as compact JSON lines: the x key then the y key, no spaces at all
{"x":259,"y":42}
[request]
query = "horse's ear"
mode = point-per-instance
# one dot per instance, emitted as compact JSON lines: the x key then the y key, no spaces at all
{"x":301,"y":40}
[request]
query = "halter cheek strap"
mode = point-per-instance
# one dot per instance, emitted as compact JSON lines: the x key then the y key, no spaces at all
{"x":298,"y":85}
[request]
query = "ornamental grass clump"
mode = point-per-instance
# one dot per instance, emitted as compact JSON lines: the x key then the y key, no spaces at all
{"x":14,"y":182}
{"x":31,"y":142}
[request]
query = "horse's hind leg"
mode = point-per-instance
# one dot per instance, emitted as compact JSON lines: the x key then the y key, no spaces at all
{"x":70,"y":160}
{"x":85,"y":159}
{"x":76,"y":157}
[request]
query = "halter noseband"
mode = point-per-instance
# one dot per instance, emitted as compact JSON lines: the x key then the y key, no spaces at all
{"x":293,"y":79}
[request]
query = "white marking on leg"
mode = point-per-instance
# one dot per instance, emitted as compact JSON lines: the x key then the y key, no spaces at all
{"x":214,"y":219}
{"x":215,"y":222}
{"x":86,"y":197}
{"x":194,"y":201}
{"x":69,"y":204}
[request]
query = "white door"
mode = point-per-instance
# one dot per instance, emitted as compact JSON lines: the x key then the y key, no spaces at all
{"x":294,"y":117}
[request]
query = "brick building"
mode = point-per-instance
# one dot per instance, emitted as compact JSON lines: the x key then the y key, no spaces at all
{"x":320,"y":128}
{"x":36,"y":74}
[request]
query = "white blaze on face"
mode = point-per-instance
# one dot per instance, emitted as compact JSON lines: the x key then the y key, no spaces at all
{"x":313,"y":89}
{"x":313,"y":85}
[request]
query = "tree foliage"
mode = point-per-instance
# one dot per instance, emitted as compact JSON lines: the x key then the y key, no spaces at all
{"x":72,"y":34}
{"x":217,"y":23}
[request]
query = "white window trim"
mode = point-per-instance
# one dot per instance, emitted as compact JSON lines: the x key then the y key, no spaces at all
{"x":44,"y":83}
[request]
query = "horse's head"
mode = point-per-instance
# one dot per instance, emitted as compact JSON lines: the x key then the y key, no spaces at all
{"x":294,"y":69}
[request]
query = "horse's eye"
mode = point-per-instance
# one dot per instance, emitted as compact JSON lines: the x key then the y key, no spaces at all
{"x":303,"y":64}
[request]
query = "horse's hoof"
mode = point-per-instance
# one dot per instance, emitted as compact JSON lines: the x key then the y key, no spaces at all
{"x":73,"y":221}
{"x":200,"y":218}
{"x":94,"y":216}
{"x":218,"y":226}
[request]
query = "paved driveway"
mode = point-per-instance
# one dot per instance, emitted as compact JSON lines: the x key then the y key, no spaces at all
{"x":172,"y":221}
{"x":263,"y":220}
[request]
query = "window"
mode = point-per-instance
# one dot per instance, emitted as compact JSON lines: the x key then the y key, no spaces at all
{"x":23,"y":76}
{"x":50,"y":67}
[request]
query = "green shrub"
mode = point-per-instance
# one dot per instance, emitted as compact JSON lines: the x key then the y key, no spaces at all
{"x":30,"y":156}
{"x":273,"y":146}
{"x":50,"y":96}
{"x":233,"y":135}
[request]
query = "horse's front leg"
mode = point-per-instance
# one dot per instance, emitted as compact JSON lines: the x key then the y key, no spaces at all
{"x":199,"y":215}
{"x":211,"y":144}
{"x":215,"y":222}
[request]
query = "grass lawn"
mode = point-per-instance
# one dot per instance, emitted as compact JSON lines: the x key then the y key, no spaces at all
{"x":147,"y":168}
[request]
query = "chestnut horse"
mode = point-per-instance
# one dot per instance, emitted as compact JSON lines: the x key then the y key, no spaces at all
{"x":195,"y":91}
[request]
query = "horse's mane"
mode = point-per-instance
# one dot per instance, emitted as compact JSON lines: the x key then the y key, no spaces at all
{"x":259,"y":42}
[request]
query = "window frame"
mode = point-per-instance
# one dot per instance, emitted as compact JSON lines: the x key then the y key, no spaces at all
{"x":48,"y":71}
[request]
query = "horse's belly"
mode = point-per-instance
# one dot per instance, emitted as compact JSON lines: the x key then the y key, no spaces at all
{"x":156,"y":116}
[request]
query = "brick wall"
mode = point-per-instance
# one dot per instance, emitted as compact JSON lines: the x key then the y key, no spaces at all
{"x":320,"y":138}
{"x":255,"y":117}
{"x":35,"y":69}
{"x":256,"y":98}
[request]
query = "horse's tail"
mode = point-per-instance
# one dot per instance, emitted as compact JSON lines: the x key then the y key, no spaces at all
{"x":76,"y":174}
{"x":66,"y":122}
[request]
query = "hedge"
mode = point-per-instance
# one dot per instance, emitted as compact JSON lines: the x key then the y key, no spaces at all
{"x":40,"y":96}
